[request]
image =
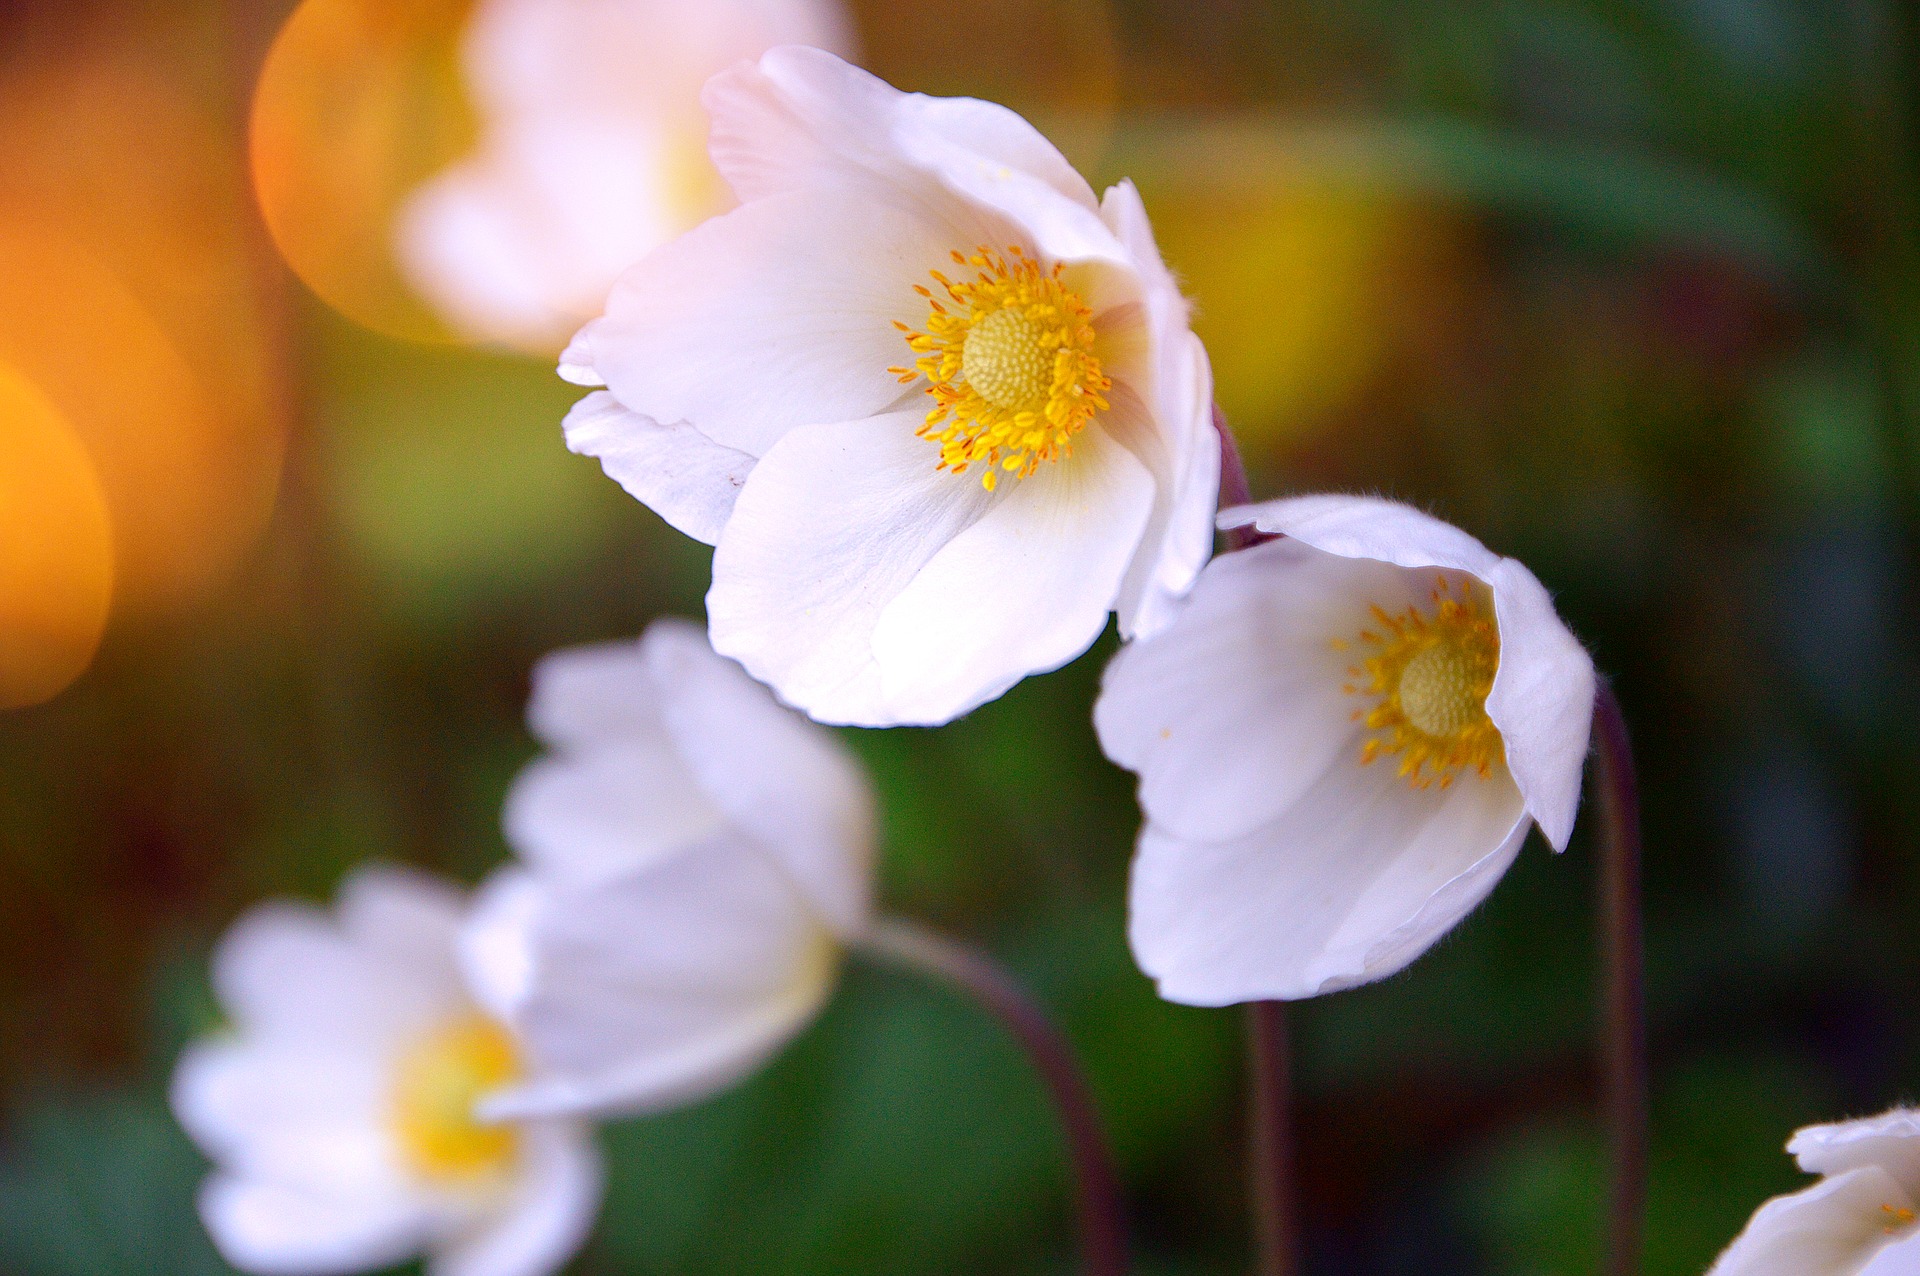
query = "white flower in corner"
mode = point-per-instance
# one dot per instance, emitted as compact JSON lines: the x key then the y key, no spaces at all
{"x":592,"y":152}
{"x":694,"y":857}
{"x":937,"y":407}
{"x":339,"y":1111}
{"x":1858,"y":1220}
{"x":1341,"y":744}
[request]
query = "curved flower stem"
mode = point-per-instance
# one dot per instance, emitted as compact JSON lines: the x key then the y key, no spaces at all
{"x":1103,"y":1225}
{"x":1624,"y":1039}
{"x":1270,"y":1139}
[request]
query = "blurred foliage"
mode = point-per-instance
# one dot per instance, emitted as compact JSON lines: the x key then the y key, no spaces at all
{"x":1630,"y":288}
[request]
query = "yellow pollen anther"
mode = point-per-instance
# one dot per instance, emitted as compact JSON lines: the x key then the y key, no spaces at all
{"x":1898,"y":1216}
{"x":1430,"y":674}
{"x":437,"y":1084}
{"x":1009,"y":363}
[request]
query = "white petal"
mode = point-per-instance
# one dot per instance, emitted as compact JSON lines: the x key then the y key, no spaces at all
{"x":1025,"y":589}
{"x":1542,"y":699}
{"x":1368,"y":527}
{"x":1179,"y":538}
{"x":603,"y":812}
{"x":301,"y":1116}
{"x":272,"y":1228}
{"x":410,"y":919}
{"x":664,"y":986}
{"x":495,"y":946}
{"x":801,"y":117}
{"x":287,"y":971}
{"x":544,"y":1220}
{"x":777,"y":314}
{"x":833,"y":524}
{"x":674,"y":470}
{"x":1830,"y":1229}
{"x":1347,"y":886}
{"x":789,"y":782}
{"x":1890,"y":1141}
{"x":1236,"y":710}
{"x":522,"y":242}
{"x":1896,"y":1258}
{"x":593,"y":695}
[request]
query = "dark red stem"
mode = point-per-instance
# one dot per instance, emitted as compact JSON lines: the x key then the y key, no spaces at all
{"x":1623,"y":1058}
{"x":1102,"y":1215}
{"x":1270,"y":1140}
{"x":1233,"y":484}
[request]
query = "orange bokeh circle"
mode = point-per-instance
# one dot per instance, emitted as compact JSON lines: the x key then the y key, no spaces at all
{"x":56,"y":549}
{"x":358,"y":103}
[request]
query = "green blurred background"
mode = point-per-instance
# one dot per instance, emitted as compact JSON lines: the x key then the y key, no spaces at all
{"x":1628,"y":288}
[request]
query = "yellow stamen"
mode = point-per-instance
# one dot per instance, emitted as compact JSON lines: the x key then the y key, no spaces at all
{"x":1009,"y":363}
{"x":438,"y":1082}
{"x":1898,"y":1216}
{"x":1431,"y":674}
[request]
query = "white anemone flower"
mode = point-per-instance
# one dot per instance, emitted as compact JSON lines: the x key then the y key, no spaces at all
{"x":1858,"y":1220}
{"x":591,"y":152}
{"x":339,"y":1110}
{"x":693,"y":860}
{"x":937,"y":408}
{"x":1341,"y":742}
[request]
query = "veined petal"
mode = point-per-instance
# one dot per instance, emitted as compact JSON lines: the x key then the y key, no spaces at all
{"x":667,"y":985}
{"x":546,"y":1218}
{"x":788,"y":782}
{"x":1025,"y":589}
{"x":1830,"y":1229}
{"x":800,"y":117}
{"x":833,"y":524}
{"x":1542,"y":699}
{"x":1345,"y":887}
{"x":288,"y":1231}
{"x":674,"y":470}
{"x":1234,"y":712}
{"x":778,"y":314}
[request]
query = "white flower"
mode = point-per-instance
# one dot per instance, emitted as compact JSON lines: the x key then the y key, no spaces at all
{"x":592,"y":152}
{"x":1341,"y":744}
{"x":339,"y":1112}
{"x":1858,"y":1220}
{"x":694,"y":858}
{"x":936,"y":407}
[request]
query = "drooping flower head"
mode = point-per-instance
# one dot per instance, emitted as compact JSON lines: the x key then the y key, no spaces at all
{"x":592,"y":152}
{"x":937,"y":408}
{"x":339,"y":1112}
{"x":1861,"y":1219}
{"x":693,"y":859}
{"x":1342,"y":741}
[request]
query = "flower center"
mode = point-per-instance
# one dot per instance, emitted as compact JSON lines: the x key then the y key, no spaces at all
{"x":1898,"y":1217}
{"x":1430,"y":673}
{"x":436,"y":1086}
{"x":1009,"y":363}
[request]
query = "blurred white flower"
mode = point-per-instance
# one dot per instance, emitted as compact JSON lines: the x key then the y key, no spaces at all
{"x":937,"y":408}
{"x":694,"y":858}
{"x":339,"y":1111}
{"x":592,"y":152}
{"x":1341,"y":742}
{"x":1858,"y":1220}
